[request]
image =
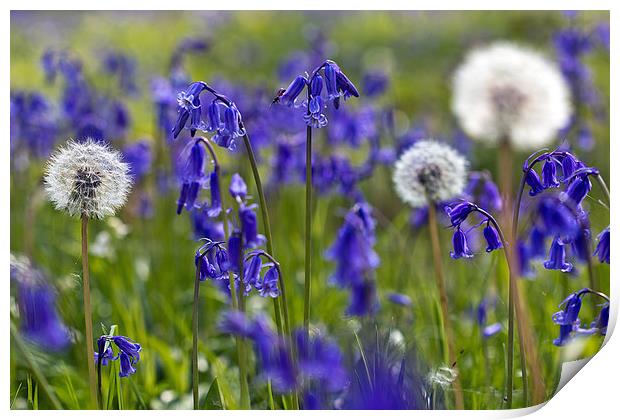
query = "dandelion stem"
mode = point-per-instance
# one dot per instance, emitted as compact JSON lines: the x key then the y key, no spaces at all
{"x":308,"y":239}
{"x":195,"y":336}
{"x":443,"y":299}
{"x":88,"y":317}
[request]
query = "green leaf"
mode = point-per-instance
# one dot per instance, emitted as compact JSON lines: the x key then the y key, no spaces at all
{"x":214,"y":400}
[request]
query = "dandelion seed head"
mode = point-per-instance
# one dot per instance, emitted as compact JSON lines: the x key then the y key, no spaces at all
{"x":87,"y":178}
{"x":429,"y":170}
{"x":442,"y":376}
{"x":505,"y":90}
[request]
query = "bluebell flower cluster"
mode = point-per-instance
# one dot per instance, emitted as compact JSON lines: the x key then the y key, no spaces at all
{"x":128,"y":353}
{"x":336,"y":84}
{"x":458,"y":213}
{"x":602,"y":247}
{"x":319,"y":360}
{"x":559,"y":218}
{"x":568,"y":318}
{"x":222,"y":116}
{"x":123,"y":67}
{"x":40,"y":321}
{"x":34,"y":125}
{"x":356,"y":260}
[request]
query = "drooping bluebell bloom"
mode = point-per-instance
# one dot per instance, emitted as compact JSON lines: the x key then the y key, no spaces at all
{"x":251,"y":272}
{"x":557,"y":257}
{"x":189,"y":108}
{"x":192,"y":175}
{"x":549,"y":177}
{"x":459,"y":212}
{"x":490,"y":197}
{"x":34,"y":127}
{"x":234,"y":250}
{"x":268,"y":286}
{"x":205,"y":226}
{"x":314,"y":116}
{"x":459,"y":242}
{"x":363,"y":299}
{"x":399,"y":299}
{"x":602,"y":247}
{"x":578,"y":188}
{"x":602,"y":320}
{"x":569,"y":165}
{"x":567,"y":318}
{"x":138,"y":155}
{"x":532,"y":179}
{"x":492,"y":237}
{"x":128,"y":353}
{"x":230,"y":129}
{"x":290,"y":94}
{"x":215,"y":208}
{"x":238,"y":189}
{"x":249,"y":227}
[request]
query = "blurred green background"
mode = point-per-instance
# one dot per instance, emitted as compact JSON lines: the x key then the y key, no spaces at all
{"x":142,"y":269}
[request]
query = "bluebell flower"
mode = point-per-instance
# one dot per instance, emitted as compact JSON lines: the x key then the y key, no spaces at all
{"x":215,"y":208}
{"x":124,"y":68}
{"x":249,"y":227}
{"x":602,"y":319}
{"x":189,"y":108}
{"x":252,"y":270}
{"x":556,"y":218}
{"x":492,"y":237}
{"x":238,"y":189}
{"x":320,"y":359}
{"x":567,"y":318}
{"x":230,"y":129}
{"x":205,"y":226}
{"x":363,"y":298}
{"x":490,"y":197}
{"x":399,"y":299}
{"x":268,"y":287}
{"x":192,"y":175}
{"x":235,"y":323}
{"x":314,"y":116}
{"x":126,"y":367}
{"x":549,"y":174}
{"x":289,"y":96}
{"x":40,"y":321}
{"x":139,"y":157}
{"x":214,"y":119}
{"x":532,"y":179}
{"x":234,"y":250}
{"x":459,"y":212}
{"x":569,"y":165}
{"x":557,"y":257}
{"x":524,"y":260}
{"x":459,"y":242}
{"x":602,"y":247}
{"x":128,"y":353}
{"x":578,"y":188}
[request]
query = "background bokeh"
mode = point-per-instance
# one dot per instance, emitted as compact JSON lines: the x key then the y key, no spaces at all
{"x":142,"y":264}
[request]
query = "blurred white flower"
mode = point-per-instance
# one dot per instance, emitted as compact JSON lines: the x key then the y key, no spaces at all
{"x":505,"y":90}
{"x":87,"y":178}
{"x":443,"y":376}
{"x":429,"y":170}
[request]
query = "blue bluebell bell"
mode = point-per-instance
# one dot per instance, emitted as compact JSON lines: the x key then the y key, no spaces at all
{"x":602,"y":319}
{"x":524,"y":260}
{"x":490,"y":197}
{"x":459,"y":212}
{"x":363,"y":298}
{"x":459,"y":242}
{"x":578,"y":188}
{"x":238,"y":188}
{"x":557,"y":257}
{"x":189,"y":108}
{"x":291,"y":93}
{"x":569,"y":165}
{"x":234,"y":250}
{"x":249,"y":227}
{"x":602,"y":247}
{"x":106,"y":354}
{"x":215,"y":208}
{"x":532,"y":179}
{"x":205,"y":226}
{"x":230,"y":129}
{"x":214,"y":118}
{"x":549,"y":177}
{"x":126,"y":365}
{"x":235,"y":323}
{"x":492,"y":237}
{"x":537,"y":245}
{"x":556,"y":218}
{"x":320,"y":359}
{"x":192,"y":175}
{"x":567,"y":318}
{"x":268,"y":286}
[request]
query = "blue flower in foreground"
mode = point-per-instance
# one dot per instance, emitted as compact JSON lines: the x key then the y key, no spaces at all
{"x":40,"y":321}
{"x":128,"y":353}
{"x":602,"y":247}
{"x":557,"y":257}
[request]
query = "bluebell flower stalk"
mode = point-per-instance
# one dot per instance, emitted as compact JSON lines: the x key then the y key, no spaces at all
{"x":337,"y":85}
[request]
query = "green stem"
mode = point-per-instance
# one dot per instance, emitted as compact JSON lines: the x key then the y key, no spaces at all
{"x":601,"y":183}
{"x":279,"y":305}
{"x":308,"y":239}
{"x":443,"y":300}
{"x":195,"y":336}
{"x":88,"y":317}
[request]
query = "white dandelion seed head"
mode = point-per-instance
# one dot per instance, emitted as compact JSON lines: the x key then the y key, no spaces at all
{"x":429,"y":170}
{"x":442,"y":376}
{"x":505,"y":90}
{"x":87,"y":178}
